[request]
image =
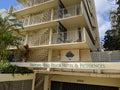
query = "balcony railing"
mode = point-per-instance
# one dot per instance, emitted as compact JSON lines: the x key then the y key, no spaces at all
{"x":37,"y":40}
{"x":70,"y":11}
{"x":50,"y":15}
{"x":66,"y":37}
{"x":28,"y":3}
{"x":39,"y":18}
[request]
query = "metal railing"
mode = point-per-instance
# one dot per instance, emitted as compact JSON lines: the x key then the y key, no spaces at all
{"x":67,"y":37}
{"x":43,"y":39}
{"x":38,"y":39}
{"x":27,"y":4}
{"x":70,"y":11}
{"x":50,"y":15}
{"x":35,"y":19}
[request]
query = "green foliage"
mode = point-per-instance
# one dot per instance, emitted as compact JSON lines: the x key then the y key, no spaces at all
{"x":7,"y":38}
{"x":8,"y":26}
{"x":7,"y":68}
{"x":111,"y":40}
{"x":112,"y":37}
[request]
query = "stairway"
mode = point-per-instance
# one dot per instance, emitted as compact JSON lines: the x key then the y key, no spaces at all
{"x":39,"y":82}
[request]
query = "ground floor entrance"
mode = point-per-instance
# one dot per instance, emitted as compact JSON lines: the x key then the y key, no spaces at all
{"x":55,"y":85}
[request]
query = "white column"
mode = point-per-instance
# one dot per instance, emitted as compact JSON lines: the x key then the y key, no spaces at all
{"x":49,"y":57}
{"x":83,"y":34}
{"x":50,"y":36}
{"x":46,"y":82}
{"x":29,"y":20}
{"x":52,"y":14}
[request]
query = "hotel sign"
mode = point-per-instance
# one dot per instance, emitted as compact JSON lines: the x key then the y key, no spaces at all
{"x":71,"y":65}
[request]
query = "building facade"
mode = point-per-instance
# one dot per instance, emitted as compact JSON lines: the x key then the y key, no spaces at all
{"x":63,"y":31}
{"x":56,"y":27}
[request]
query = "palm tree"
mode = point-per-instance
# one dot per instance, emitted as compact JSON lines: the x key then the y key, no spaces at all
{"x":8,"y":25}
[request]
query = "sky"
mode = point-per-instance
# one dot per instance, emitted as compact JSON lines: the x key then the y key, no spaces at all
{"x":103,"y":8}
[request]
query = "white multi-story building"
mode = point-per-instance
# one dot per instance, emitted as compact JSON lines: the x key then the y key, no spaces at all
{"x":61,"y":35}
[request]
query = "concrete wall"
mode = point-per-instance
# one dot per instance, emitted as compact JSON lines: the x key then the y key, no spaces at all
{"x":85,"y":55}
{"x":75,"y":53}
{"x":79,"y":55}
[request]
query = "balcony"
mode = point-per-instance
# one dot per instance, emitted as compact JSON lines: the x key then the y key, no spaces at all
{"x":30,"y":7}
{"x":75,"y":13}
{"x":67,"y":37}
{"x":50,"y":17}
{"x":33,"y":6}
{"x":62,"y":40}
{"x":27,"y":4}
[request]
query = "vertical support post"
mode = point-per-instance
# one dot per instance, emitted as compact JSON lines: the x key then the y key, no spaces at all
{"x":50,"y":36}
{"x":26,"y":39}
{"x":33,"y":82}
{"x":83,"y":34}
{"x":28,"y":20}
{"x":52,"y":14}
{"x":82,"y":8}
{"x":75,"y":10}
{"x":46,"y":82}
{"x":49,"y":57}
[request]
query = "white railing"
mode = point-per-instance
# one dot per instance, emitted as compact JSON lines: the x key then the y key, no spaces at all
{"x":66,"y":37}
{"x":50,"y":15}
{"x":27,"y":4}
{"x":43,"y":39}
{"x":39,"y":39}
{"x":70,"y":11}
{"x":39,"y":18}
